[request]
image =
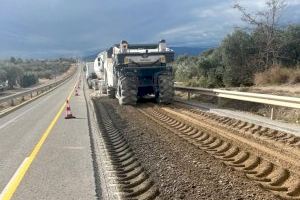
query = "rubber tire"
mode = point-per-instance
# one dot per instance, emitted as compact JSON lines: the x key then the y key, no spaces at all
{"x":127,"y":90}
{"x":166,"y":89}
{"x":111,"y":92}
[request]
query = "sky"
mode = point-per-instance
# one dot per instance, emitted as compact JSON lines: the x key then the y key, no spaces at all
{"x":57,"y":28}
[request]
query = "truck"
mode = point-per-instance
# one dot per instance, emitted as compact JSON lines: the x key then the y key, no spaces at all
{"x":90,"y":74}
{"x":132,"y":71}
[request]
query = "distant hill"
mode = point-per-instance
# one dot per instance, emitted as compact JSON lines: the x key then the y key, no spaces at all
{"x":191,"y":51}
{"x":90,"y":56}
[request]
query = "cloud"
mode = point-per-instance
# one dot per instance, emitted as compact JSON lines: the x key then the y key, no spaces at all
{"x":54,"y":27}
{"x":210,"y":23}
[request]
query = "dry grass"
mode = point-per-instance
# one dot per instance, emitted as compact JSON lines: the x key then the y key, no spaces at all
{"x":295,"y":77}
{"x":277,"y":75}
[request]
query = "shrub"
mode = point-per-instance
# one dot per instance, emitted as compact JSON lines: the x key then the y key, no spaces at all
{"x":295,"y":77}
{"x":277,"y":75}
{"x":28,"y":80}
{"x":47,"y":74}
{"x":194,"y":82}
{"x":261,"y":79}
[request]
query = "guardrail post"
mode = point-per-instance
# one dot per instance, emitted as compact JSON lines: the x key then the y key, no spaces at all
{"x":31,"y":95}
{"x":23,"y":98}
{"x":272,"y":113}
{"x":189,"y":95}
{"x":12,"y":102}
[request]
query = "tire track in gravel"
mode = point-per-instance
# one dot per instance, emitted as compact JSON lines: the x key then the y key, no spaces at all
{"x":250,"y":130}
{"x":180,"y":170}
{"x":272,"y":170}
{"x":133,"y":181}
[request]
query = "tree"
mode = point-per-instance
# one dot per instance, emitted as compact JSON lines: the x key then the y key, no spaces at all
{"x":13,"y":60}
{"x":266,"y":29}
{"x":3,"y":75}
{"x":19,"y":61}
{"x":186,"y":68}
{"x":237,"y":53}
{"x":28,"y":79}
{"x":289,"y":53}
{"x":14,"y":75}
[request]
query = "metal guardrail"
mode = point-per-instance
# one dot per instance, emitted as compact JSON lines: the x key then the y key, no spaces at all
{"x":31,"y":92}
{"x":274,"y":100}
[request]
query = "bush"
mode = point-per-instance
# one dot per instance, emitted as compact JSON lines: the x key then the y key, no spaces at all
{"x":199,"y":71}
{"x":45,"y":74}
{"x":194,"y":82}
{"x":13,"y":74}
{"x":295,"y":77}
{"x":277,"y":75}
{"x":28,"y":79}
{"x":25,"y":73}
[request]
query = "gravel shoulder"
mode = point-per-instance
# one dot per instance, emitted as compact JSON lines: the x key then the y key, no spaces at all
{"x":180,"y":170}
{"x":246,"y":116}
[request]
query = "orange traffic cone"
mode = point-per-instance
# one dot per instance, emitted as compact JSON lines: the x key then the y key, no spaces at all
{"x":76,"y":93}
{"x":68,"y":111}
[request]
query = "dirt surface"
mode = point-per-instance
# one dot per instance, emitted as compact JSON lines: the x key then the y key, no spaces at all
{"x":180,"y":170}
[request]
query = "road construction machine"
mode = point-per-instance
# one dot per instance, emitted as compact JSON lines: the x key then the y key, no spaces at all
{"x":90,"y":74}
{"x":132,"y":71}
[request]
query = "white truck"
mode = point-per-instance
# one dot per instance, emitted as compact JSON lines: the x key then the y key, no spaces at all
{"x":131,"y":71}
{"x":90,"y":73}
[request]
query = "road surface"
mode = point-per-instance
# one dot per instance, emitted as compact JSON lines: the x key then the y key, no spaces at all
{"x":61,"y":168}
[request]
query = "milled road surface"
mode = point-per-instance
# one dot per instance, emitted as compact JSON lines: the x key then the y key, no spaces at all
{"x":180,"y":170}
{"x":63,"y":168}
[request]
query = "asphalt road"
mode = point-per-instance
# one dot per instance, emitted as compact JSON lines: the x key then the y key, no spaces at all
{"x":62,"y":168}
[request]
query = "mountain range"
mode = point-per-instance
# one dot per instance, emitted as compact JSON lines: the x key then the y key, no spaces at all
{"x":190,"y":51}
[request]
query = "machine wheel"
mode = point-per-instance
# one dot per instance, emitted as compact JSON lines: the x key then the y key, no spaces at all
{"x":111,"y":92}
{"x":166,"y":89}
{"x":127,"y":90}
{"x":89,"y":82}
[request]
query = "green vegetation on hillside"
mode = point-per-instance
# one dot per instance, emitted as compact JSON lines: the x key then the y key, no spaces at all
{"x":25,"y":73}
{"x":247,"y":55}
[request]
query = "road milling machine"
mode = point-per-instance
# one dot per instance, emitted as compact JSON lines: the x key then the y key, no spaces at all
{"x":132,"y":71}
